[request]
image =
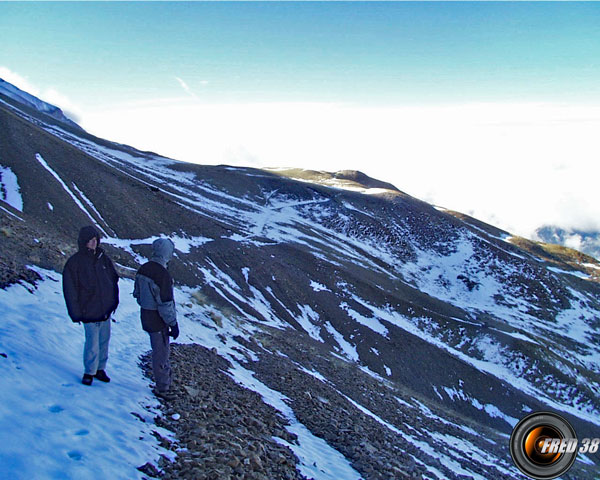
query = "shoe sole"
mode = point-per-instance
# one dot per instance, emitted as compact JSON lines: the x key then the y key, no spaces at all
{"x":164,"y":396}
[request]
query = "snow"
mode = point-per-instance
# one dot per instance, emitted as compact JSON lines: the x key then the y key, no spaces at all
{"x":285,"y":219}
{"x":68,"y":190}
{"x":575,"y":273}
{"x":182,"y":244}
{"x":60,"y":429}
{"x":340,"y":184}
{"x":517,"y":335}
{"x":317,"y":287}
{"x":307,"y":319}
{"x":591,"y":265}
{"x":347,"y":348}
{"x":370,"y":322}
{"x":429,"y":414}
{"x":317,"y":459}
{"x":491,"y":410}
{"x":11,"y":213}
{"x":25,"y":98}
{"x":447,"y":461}
{"x":9,"y":189}
{"x":89,"y":203}
{"x":495,"y":361}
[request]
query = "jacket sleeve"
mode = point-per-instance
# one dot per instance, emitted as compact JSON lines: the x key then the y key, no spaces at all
{"x":115,"y":279}
{"x":165,"y":301}
{"x":136,"y":290}
{"x":71,"y":291}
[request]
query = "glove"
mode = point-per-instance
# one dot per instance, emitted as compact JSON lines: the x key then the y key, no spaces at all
{"x":174,"y":331}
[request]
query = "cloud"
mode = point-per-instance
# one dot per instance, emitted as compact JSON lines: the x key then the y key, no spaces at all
{"x":49,"y":94}
{"x":70,"y":109}
{"x":186,"y":87}
{"x":18,"y":81}
{"x":517,"y":166}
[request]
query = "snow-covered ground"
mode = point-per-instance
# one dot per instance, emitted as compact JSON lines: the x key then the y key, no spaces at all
{"x":56,"y":428}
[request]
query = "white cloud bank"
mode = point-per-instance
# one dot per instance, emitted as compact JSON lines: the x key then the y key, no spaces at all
{"x":517,"y":166}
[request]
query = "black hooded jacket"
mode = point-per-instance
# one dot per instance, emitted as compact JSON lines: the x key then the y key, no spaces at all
{"x":90,"y":282}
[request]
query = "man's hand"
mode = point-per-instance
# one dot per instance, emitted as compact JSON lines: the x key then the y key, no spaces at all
{"x":174,"y":331}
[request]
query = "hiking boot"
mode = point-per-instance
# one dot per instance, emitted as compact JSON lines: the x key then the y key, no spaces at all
{"x":166,"y":395}
{"x":102,"y":376}
{"x":87,"y":379}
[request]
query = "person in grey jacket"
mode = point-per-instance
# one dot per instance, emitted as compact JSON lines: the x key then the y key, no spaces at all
{"x":154,"y":293}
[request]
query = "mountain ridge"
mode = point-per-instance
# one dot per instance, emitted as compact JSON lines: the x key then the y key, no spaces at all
{"x":24,"y":98}
{"x":408,"y":297}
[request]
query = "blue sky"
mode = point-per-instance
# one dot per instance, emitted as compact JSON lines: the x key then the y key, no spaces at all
{"x":399,"y":90}
{"x":352,"y":52}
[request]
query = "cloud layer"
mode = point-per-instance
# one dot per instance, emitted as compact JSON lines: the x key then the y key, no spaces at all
{"x":518,"y":166}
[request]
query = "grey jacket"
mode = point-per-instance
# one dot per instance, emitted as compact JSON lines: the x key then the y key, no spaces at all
{"x":154,"y":288}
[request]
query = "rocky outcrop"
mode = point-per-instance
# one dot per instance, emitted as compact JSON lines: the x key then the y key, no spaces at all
{"x":223,"y":430}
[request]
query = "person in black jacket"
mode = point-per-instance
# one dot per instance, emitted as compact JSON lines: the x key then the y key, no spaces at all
{"x":90,"y":287}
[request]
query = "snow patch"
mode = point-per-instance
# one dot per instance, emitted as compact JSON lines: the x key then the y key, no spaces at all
{"x":575,"y":273}
{"x":370,"y":322}
{"x":347,"y":348}
{"x":68,"y":190}
{"x":318,"y":460}
{"x":317,"y":287}
{"x":9,"y":189}
{"x":306,"y":319}
{"x":182,"y":244}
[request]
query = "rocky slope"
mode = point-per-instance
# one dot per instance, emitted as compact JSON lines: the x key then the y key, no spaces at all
{"x":409,"y":338}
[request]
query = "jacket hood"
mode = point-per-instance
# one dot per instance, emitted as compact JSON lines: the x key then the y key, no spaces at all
{"x":162,"y":251}
{"x":85,"y":235}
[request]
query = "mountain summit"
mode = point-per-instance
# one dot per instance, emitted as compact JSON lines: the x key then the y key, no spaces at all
{"x":403,"y":340}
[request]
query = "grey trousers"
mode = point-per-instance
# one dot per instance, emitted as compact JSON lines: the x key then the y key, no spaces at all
{"x":95,"y":350}
{"x":161,"y":366}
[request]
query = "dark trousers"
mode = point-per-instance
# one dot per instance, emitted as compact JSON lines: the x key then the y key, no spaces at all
{"x":161,"y":366}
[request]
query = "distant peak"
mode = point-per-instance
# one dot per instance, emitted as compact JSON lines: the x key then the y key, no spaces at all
{"x":343,"y":179}
{"x":31,"y":101}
